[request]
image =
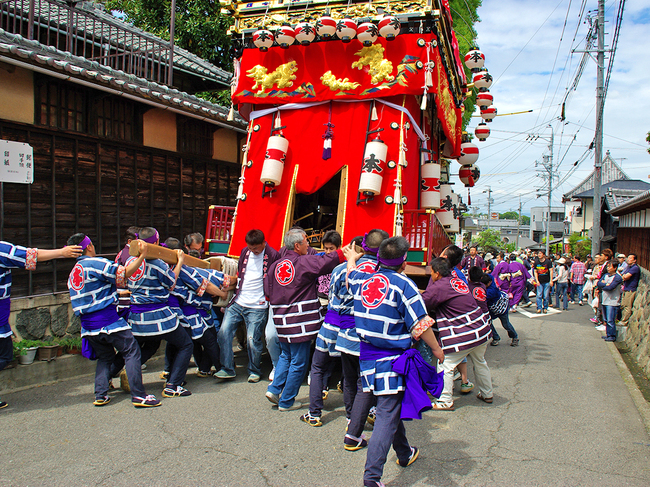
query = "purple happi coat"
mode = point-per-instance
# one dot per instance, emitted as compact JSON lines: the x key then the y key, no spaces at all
{"x":480,"y":295}
{"x":502,"y":276}
{"x":291,"y":288}
{"x":518,"y":277}
{"x":460,"y":322}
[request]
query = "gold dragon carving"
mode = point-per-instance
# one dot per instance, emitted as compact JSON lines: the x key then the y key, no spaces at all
{"x":380,"y":69}
{"x":335,"y":84}
{"x":282,"y":77}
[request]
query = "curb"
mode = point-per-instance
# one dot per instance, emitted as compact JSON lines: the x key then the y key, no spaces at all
{"x":637,"y":397}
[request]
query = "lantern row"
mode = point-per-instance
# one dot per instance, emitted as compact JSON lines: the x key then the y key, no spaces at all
{"x":327,"y":28}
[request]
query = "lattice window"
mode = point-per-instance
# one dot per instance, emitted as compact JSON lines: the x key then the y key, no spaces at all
{"x":60,"y":106}
{"x":194,"y":136}
{"x":114,"y":118}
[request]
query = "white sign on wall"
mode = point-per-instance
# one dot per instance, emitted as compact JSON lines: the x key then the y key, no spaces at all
{"x":16,"y":162}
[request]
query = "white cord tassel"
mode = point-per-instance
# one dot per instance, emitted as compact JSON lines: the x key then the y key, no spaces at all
{"x":278,"y":122}
{"x":231,"y":113}
{"x":374,"y":116}
{"x":402,"y":155}
{"x":423,"y":105}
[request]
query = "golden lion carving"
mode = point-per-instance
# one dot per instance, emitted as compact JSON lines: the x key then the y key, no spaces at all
{"x":282,"y":77}
{"x":334,"y":84}
{"x":380,"y":69}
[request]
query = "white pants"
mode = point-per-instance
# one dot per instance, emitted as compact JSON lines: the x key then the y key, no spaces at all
{"x":482,"y":374}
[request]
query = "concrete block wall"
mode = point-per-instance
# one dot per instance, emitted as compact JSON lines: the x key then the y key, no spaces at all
{"x":638,"y":330}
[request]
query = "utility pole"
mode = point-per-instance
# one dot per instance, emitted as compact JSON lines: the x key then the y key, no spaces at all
{"x":548,"y":175}
{"x":489,"y":192}
{"x":519,"y":222}
{"x":548,"y":165}
{"x":598,"y":140}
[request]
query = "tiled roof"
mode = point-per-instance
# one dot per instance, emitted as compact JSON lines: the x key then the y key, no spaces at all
{"x":640,"y":201}
{"x":620,"y":186}
{"x":610,"y":171}
{"x":46,"y":58}
{"x":95,"y":22}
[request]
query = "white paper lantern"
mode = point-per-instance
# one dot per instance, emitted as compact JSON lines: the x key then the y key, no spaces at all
{"x":389,"y":27}
{"x":482,"y":79}
{"x":488,"y":113}
{"x":468,"y":154}
{"x":484,"y":99}
{"x":276,"y":154}
{"x":373,"y":159}
{"x":285,"y":36}
{"x":263,"y":39}
{"x":326,"y":26}
{"x":430,"y":185}
{"x":482,"y":131}
{"x":305,"y":33}
{"x":469,"y":175}
{"x":367,"y":33}
{"x":474,"y":59}
{"x":346,"y":29}
{"x":446,"y":212}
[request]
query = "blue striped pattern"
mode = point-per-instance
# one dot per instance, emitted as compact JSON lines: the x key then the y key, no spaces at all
{"x":377,"y":376}
{"x":326,"y":339}
{"x":151,"y":284}
{"x":181,"y":292}
{"x":195,"y":279}
{"x":386,"y":326}
{"x":98,"y":292}
{"x":347,"y":341}
{"x":11,"y":257}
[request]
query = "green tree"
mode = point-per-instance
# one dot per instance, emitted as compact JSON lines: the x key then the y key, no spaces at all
{"x":525,"y":220}
{"x":463,"y":13}
{"x":580,"y":245}
{"x":648,"y":141}
{"x":488,"y":240}
{"x":509,"y":215}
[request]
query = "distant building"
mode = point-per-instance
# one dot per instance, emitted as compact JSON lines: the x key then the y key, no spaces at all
{"x":539,"y":220}
{"x":616,"y":189}
{"x":507,"y":229}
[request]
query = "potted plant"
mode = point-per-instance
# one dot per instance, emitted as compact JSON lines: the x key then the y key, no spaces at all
{"x":47,"y":351}
{"x":25,"y":350}
{"x":71,"y":345}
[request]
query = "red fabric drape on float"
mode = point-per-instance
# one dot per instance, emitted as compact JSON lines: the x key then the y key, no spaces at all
{"x":304,"y":131}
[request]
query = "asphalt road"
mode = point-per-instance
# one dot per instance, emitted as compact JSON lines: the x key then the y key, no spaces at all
{"x":562,"y":415}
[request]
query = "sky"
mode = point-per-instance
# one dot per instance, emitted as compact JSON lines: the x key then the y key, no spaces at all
{"x":528,"y":47}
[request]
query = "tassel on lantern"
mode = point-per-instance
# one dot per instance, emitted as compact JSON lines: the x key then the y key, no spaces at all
{"x":231,"y":113}
{"x":469,"y":198}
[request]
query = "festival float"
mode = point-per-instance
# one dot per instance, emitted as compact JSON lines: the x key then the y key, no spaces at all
{"x":354,"y":112}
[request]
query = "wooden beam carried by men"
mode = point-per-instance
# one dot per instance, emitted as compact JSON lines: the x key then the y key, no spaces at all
{"x":169,"y":256}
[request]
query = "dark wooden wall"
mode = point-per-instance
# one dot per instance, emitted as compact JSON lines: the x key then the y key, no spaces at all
{"x":98,"y":187}
{"x":635,"y":241}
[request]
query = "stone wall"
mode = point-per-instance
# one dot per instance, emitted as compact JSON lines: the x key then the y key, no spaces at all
{"x":637,"y":337}
{"x":41,"y":317}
